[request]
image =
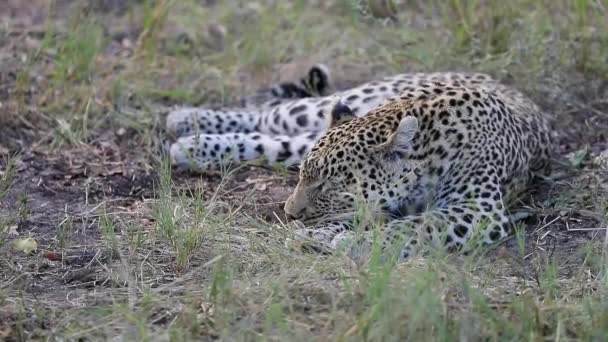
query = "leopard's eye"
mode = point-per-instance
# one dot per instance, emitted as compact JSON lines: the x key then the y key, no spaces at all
{"x":320,"y":185}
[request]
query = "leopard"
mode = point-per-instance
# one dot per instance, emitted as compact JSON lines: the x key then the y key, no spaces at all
{"x":434,"y":156}
{"x":436,"y":166}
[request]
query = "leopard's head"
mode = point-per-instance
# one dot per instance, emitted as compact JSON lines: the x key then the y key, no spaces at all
{"x":356,"y":158}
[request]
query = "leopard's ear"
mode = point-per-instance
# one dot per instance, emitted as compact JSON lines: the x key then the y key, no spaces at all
{"x":318,"y":79}
{"x":401,"y":141}
{"x":339,"y":113}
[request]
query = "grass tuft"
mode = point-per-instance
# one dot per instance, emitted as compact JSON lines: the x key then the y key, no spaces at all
{"x":7,"y":175}
{"x":76,"y":54}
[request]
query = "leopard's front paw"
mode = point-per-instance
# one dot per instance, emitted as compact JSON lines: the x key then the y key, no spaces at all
{"x":355,"y":246}
{"x":307,"y":240}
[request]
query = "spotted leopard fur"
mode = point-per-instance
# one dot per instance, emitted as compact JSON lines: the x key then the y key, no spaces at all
{"x":435,"y":164}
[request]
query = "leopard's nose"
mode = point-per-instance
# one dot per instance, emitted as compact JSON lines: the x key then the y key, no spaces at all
{"x":294,"y":216}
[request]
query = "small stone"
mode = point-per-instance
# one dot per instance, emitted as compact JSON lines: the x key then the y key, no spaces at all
{"x":250,"y":11}
{"x":383,"y":8}
{"x":216,"y":34}
{"x":601,"y":160}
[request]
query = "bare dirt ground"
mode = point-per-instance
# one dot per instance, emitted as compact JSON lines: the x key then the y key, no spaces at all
{"x":90,"y":189}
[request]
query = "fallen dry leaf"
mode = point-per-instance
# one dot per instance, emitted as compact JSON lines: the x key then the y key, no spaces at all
{"x":258,"y":184}
{"x":53,"y":256}
{"x":12,"y":230}
{"x":27,"y":245}
{"x":602,"y":160}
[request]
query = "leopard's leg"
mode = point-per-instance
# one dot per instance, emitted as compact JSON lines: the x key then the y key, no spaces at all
{"x":474,"y":217}
{"x":285,"y":142}
{"x":471,"y":217}
{"x":281,"y":117}
{"x":453,"y":228}
{"x":189,"y":121}
{"x":327,"y":233}
{"x":241,"y":136}
{"x":245,"y":118}
{"x":321,"y":239}
{"x":289,"y":118}
{"x":211,"y":151}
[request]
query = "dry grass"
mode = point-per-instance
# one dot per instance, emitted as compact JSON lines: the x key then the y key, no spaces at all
{"x":128,"y":251}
